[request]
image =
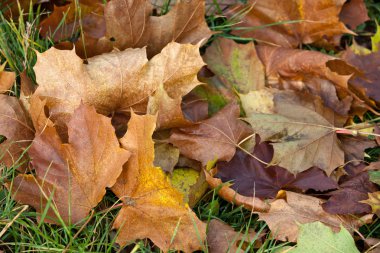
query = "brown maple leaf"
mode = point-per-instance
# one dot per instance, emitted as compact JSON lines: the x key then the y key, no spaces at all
{"x":302,"y":132}
{"x":118,"y":81}
{"x":152,"y":207}
{"x":7,"y":79}
{"x":213,"y":138}
{"x":296,"y":22}
{"x":237,"y":65}
{"x":16,"y":127}
{"x":74,"y":175}
{"x":284,"y":216}
{"x":130,"y":24}
{"x":354,"y":13}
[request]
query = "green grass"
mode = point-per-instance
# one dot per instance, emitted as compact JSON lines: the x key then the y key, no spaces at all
{"x":20,"y":231}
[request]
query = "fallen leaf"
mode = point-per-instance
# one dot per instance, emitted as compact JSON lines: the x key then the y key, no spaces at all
{"x":354,"y":13}
{"x":222,"y":238}
{"x":10,"y":8}
{"x":165,"y":156}
{"x":302,"y":132}
{"x":73,"y":175}
{"x":354,"y":147}
{"x":214,"y":138}
{"x":152,"y":208}
{"x":16,"y":127}
{"x":7,"y":79}
{"x":367,"y":64}
{"x":310,"y":71}
{"x":353,"y":188}
{"x":316,"y":237}
{"x":194,"y":107}
{"x":251,"y":177}
{"x":296,"y":22}
{"x":131,"y":25}
{"x":374,"y":201}
{"x":284,"y":216}
{"x":237,"y":65}
{"x":191,"y":183}
{"x":374,"y":177}
{"x":115,"y":82}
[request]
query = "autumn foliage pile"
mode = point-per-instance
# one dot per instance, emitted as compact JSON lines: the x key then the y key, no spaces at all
{"x":135,"y":108}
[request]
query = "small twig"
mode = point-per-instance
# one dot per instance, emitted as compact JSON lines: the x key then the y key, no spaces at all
{"x":12,"y":221}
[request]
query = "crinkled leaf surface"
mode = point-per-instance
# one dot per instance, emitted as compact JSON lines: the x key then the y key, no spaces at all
{"x":284,"y":216}
{"x":152,"y":208}
{"x":250,"y":177}
{"x":302,"y":132}
{"x":213,"y":138}
{"x":75,"y":174}
{"x":297,"y":22}
{"x":237,"y":65}
{"x":115,"y":82}
{"x":316,"y":237}
{"x":16,"y":127}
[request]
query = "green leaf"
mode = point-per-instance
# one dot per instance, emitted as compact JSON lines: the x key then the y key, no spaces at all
{"x":316,"y":238}
{"x":374,"y":177}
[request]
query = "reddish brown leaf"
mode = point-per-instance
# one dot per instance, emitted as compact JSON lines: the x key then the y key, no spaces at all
{"x":214,"y":138}
{"x":354,"y":13}
{"x":7,"y":78}
{"x":16,"y":127}
{"x":304,"y":21}
{"x":250,"y":177}
{"x":75,"y":174}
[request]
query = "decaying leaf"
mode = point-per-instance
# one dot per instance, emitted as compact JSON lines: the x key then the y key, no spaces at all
{"x":310,"y":71}
{"x":11,"y":7}
{"x":115,"y":82}
{"x":152,"y":207}
{"x":302,"y":132}
{"x":284,"y":216}
{"x":214,"y":138}
{"x":237,"y":65}
{"x":7,"y":79}
{"x":16,"y":127}
{"x":353,"y":188}
{"x":73,"y":175}
{"x":374,"y":201}
{"x":222,"y":238}
{"x":165,"y":156}
{"x":251,"y":177}
{"x":122,"y":25}
{"x":316,"y":237}
{"x":354,"y":13}
{"x":291,"y":23}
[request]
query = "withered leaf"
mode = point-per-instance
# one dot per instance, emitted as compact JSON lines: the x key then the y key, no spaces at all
{"x":75,"y":174}
{"x":116,"y":82}
{"x":165,"y":156}
{"x":16,"y":127}
{"x":369,"y":83}
{"x":373,"y":199}
{"x":213,"y":138}
{"x":310,"y":71}
{"x":7,"y":79}
{"x":152,"y":207}
{"x":302,"y":132}
{"x":222,"y":238}
{"x":297,"y":22}
{"x":130,"y":24}
{"x":237,"y":65}
{"x":284,"y":216}
{"x":354,"y":13}
{"x":353,"y":188}
{"x":250,"y":177}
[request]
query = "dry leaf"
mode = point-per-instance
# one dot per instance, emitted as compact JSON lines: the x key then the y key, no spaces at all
{"x":115,"y":82}
{"x":296,"y":22}
{"x":237,"y":65}
{"x":284,"y":216}
{"x":214,"y":138}
{"x":7,"y":79}
{"x":222,"y":238}
{"x":165,"y":156}
{"x":302,"y":132}
{"x":152,"y":207}
{"x":354,"y":13}
{"x":374,"y":201}
{"x":75,"y":174}
{"x":16,"y":127}
{"x":310,"y":71}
